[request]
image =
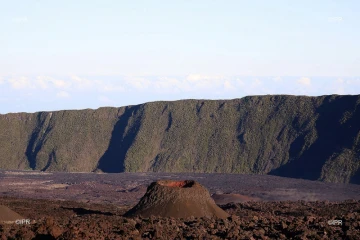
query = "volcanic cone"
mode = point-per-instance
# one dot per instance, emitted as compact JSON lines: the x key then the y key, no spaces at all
{"x":178,"y":199}
{"x":7,"y":215}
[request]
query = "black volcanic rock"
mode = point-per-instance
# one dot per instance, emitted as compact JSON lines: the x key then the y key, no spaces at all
{"x":316,"y":138}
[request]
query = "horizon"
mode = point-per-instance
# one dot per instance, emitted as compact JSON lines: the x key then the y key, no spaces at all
{"x":46,"y":94}
{"x":175,"y":100}
{"x":90,"y":54}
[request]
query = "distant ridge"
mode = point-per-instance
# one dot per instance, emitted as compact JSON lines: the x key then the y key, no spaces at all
{"x":316,"y":138}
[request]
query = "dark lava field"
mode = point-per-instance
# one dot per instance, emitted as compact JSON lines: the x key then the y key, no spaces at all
{"x":91,"y":206}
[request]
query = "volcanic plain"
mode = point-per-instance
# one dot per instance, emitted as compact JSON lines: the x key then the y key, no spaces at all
{"x":92,"y":205}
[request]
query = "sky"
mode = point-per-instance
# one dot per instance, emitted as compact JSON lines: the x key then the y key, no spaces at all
{"x":86,"y":54}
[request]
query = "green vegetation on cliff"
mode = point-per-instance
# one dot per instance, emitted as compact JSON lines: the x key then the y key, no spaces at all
{"x":315,"y":138}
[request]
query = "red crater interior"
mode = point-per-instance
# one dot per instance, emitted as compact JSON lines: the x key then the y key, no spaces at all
{"x":180,"y":184}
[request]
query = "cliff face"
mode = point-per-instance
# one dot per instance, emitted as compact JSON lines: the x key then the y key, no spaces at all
{"x":292,"y":136}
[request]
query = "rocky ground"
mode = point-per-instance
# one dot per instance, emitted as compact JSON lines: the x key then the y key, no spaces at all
{"x":252,"y":220}
{"x":91,"y":206}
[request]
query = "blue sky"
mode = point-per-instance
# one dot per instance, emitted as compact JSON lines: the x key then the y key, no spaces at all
{"x":86,"y":54}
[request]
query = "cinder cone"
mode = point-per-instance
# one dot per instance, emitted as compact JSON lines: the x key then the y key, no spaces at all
{"x":178,"y":199}
{"x":8,"y":216}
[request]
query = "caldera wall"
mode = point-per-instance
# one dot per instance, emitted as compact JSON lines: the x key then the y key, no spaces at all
{"x":316,"y":138}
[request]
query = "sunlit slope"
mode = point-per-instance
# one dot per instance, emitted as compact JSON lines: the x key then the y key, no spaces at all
{"x":293,"y":136}
{"x":59,"y":141}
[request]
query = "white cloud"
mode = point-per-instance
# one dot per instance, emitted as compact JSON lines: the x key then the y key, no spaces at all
{"x":277,"y":79}
{"x":76,"y":78}
{"x":198,"y":82}
{"x":335,"y":19}
{"x":20,"y":83}
{"x":109,"y":87}
{"x":338,"y":86}
{"x":170,"y":85}
{"x":343,"y":86}
{"x":201,"y":78}
{"x":190,"y":83}
{"x":60,"y":83}
{"x":228,"y":86}
{"x":81,"y":83}
{"x":257,"y":83}
{"x":46,"y":82}
{"x":340,"y":80}
{"x":239,"y":83}
{"x":254,"y":87}
{"x":75,"y":83}
{"x":353,"y":82}
{"x":43,"y":83}
{"x":346,"y":86}
{"x":63,"y":94}
{"x":305,"y":81}
{"x":104,"y":99}
{"x":340,"y":90}
{"x":20,"y":19}
{"x":138,"y":82}
{"x":195,"y":77}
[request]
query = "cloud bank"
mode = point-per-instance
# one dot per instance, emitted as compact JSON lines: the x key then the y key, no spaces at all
{"x":76,"y":92}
